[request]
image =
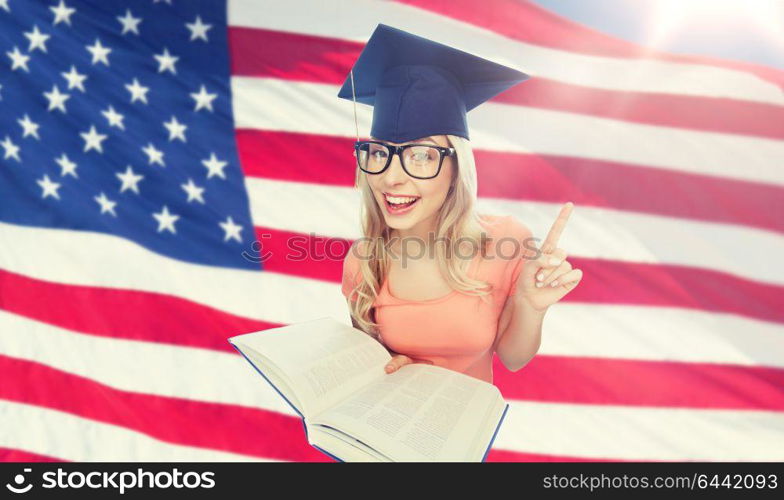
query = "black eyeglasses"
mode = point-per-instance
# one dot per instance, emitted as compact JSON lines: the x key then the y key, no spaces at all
{"x":421,"y":161}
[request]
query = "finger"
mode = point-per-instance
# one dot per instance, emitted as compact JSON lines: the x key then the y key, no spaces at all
{"x":551,"y":241}
{"x":396,"y":363}
{"x":555,"y":274}
{"x":569,"y":280}
{"x":547,"y":262}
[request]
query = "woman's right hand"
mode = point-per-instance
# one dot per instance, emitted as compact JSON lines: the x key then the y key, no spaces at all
{"x":396,"y":362}
{"x":399,"y":360}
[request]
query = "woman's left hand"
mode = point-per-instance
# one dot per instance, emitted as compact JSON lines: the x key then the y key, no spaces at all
{"x":545,"y":280}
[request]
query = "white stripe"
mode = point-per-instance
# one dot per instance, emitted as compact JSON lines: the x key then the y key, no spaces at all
{"x":102,"y":260}
{"x":661,"y":334}
{"x":633,"y":433}
{"x":592,"y":232}
{"x":60,"y":435}
{"x":314,"y":108}
{"x":551,"y":428}
{"x":355,"y":20}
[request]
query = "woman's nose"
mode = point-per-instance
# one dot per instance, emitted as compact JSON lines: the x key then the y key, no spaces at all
{"x":395,"y":174}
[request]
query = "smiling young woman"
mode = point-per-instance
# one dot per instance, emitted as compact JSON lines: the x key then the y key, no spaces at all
{"x":432,"y":279}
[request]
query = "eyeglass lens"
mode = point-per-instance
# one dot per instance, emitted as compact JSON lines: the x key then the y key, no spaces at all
{"x":418,"y":161}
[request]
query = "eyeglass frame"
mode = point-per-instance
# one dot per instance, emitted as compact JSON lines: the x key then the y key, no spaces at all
{"x":398,"y":150}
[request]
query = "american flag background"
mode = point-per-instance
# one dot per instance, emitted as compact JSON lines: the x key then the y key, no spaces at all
{"x":158,"y":158}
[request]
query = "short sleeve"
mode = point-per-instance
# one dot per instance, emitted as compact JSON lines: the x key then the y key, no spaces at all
{"x":350,"y":272}
{"x":523,"y":236}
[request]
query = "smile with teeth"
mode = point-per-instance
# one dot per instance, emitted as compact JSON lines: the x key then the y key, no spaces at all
{"x":400,"y":202}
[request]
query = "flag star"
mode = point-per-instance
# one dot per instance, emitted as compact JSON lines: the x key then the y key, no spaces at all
{"x":18,"y":60}
{"x":166,"y":61}
{"x":4,"y":5}
{"x":74,"y":78}
{"x":154,"y":155}
{"x":198,"y":30}
{"x":194,"y":192}
{"x":129,"y":22}
{"x":99,"y":52}
{"x":166,"y":220}
{"x":232,"y":230}
{"x":176,"y":129}
{"x":30,"y":128}
{"x":56,"y":99}
{"x":129,"y":180}
{"x":67,"y":166}
{"x":62,"y":13}
{"x":49,"y":188}
{"x":37,"y":39}
{"x":11,"y":149}
{"x":203,"y":99}
{"x":214,"y":166}
{"x":137,"y":91}
{"x":107,"y":205}
{"x":115,"y":118}
{"x":92,"y":139}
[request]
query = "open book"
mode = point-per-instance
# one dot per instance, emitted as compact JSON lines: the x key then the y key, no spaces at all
{"x":333,"y":376}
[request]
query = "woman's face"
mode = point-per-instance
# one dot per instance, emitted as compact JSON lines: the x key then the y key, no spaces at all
{"x":429,"y":194}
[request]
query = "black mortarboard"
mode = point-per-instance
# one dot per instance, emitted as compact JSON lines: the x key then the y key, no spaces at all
{"x":419,"y":87}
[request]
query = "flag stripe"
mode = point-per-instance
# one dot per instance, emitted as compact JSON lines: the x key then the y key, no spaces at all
{"x":589,"y":431}
{"x":310,"y":108}
{"x":528,"y":22}
{"x":50,"y":256}
{"x":599,"y":379}
{"x":12,"y":455}
{"x":548,"y":178}
{"x":171,"y":420}
{"x":53,"y":433}
{"x":531,"y":416}
{"x":266,"y":53}
{"x":656,"y":384}
{"x":702,"y":337}
{"x":617,"y":236}
{"x":101,"y":260}
{"x":696,"y":77}
{"x":129,"y":314}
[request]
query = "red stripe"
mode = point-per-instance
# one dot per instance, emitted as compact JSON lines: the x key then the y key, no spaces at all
{"x":530,"y":23}
{"x":306,"y":256}
{"x":126,"y":314}
{"x":547,"y":178}
{"x":12,"y":455}
{"x":612,"y":282}
{"x":289,"y":56}
{"x":579,"y":380}
{"x":604,"y":282}
{"x":668,"y":384}
{"x":231,"y":428}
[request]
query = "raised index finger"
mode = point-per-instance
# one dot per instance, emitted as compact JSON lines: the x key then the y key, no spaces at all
{"x":551,"y":242}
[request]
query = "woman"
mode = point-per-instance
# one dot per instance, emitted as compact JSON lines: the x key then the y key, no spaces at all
{"x":433,"y":280}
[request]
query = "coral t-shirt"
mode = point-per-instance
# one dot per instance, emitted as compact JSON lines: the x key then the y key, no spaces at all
{"x":456,"y":331}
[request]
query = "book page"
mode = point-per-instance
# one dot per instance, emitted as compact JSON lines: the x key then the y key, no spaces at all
{"x":419,"y":413}
{"x":324,"y":360}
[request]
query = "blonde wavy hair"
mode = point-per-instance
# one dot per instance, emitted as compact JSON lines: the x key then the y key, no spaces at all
{"x":457,"y":221}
